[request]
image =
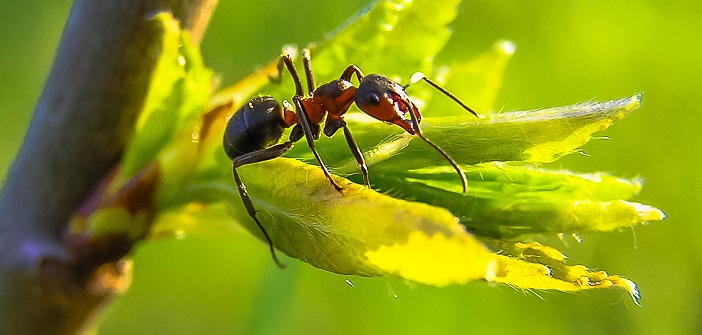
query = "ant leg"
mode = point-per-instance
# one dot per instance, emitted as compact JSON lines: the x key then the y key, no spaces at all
{"x":332,"y":124}
{"x":304,"y":121}
{"x":258,"y":156}
{"x":417,"y":76}
{"x":357,"y":154}
{"x":308,"y":70}
{"x":415,"y":124}
{"x":350,"y":70}
{"x":262,"y":155}
{"x":252,"y":213}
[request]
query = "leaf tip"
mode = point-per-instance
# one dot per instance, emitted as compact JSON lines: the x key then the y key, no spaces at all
{"x":629,"y":104}
{"x":649,"y":213}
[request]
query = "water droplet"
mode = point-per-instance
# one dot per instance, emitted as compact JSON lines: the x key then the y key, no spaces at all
{"x":392,"y":293}
{"x":577,"y":238}
{"x":290,"y":50}
{"x":583,"y":153}
{"x":507,"y":47}
{"x":350,"y":283}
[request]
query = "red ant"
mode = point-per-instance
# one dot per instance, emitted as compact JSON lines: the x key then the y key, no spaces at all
{"x":253,"y":131}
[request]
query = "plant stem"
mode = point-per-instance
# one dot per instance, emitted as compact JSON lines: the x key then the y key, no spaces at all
{"x":81,"y":124}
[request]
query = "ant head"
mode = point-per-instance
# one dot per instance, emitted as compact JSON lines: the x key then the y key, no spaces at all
{"x":385,"y":100}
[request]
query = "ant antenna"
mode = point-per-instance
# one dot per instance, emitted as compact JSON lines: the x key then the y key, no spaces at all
{"x":417,"y":76}
{"x":418,"y":132}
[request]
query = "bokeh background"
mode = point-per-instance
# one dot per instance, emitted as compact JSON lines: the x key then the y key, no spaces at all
{"x":567,"y":52}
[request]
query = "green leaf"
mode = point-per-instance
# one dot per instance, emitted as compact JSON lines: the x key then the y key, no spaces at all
{"x":393,"y":37}
{"x":507,"y":201}
{"x":540,"y":136}
{"x":391,"y":30}
{"x":179,"y":90}
{"x":360,"y":232}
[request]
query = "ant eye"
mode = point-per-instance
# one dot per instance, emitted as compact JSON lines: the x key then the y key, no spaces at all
{"x":373,"y":99}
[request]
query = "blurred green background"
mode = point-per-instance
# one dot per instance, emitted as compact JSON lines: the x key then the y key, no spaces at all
{"x":567,"y":52}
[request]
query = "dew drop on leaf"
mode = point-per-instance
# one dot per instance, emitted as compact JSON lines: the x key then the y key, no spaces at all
{"x":392,"y":293}
{"x":577,"y":238}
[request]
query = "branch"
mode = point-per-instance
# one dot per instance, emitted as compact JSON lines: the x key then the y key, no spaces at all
{"x":81,"y":124}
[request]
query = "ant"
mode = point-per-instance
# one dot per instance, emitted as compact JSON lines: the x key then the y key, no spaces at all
{"x":253,"y":131}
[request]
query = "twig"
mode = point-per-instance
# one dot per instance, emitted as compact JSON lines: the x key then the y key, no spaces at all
{"x":81,"y":124}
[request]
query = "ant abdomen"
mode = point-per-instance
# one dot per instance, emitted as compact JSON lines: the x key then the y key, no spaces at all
{"x":257,"y":125}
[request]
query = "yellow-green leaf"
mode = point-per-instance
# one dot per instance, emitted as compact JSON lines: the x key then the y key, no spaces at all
{"x":539,"y":267}
{"x":539,"y":136}
{"x":179,"y":89}
{"x":508,"y":200}
{"x":358,"y":232}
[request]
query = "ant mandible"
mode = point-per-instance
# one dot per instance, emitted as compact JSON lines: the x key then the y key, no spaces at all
{"x":253,"y":131}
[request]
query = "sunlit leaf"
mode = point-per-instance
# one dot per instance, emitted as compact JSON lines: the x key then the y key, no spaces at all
{"x":540,"y":136}
{"x":360,"y":232}
{"x":535,"y":266}
{"x":506,"y":201}
{"x":179,"y":89}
